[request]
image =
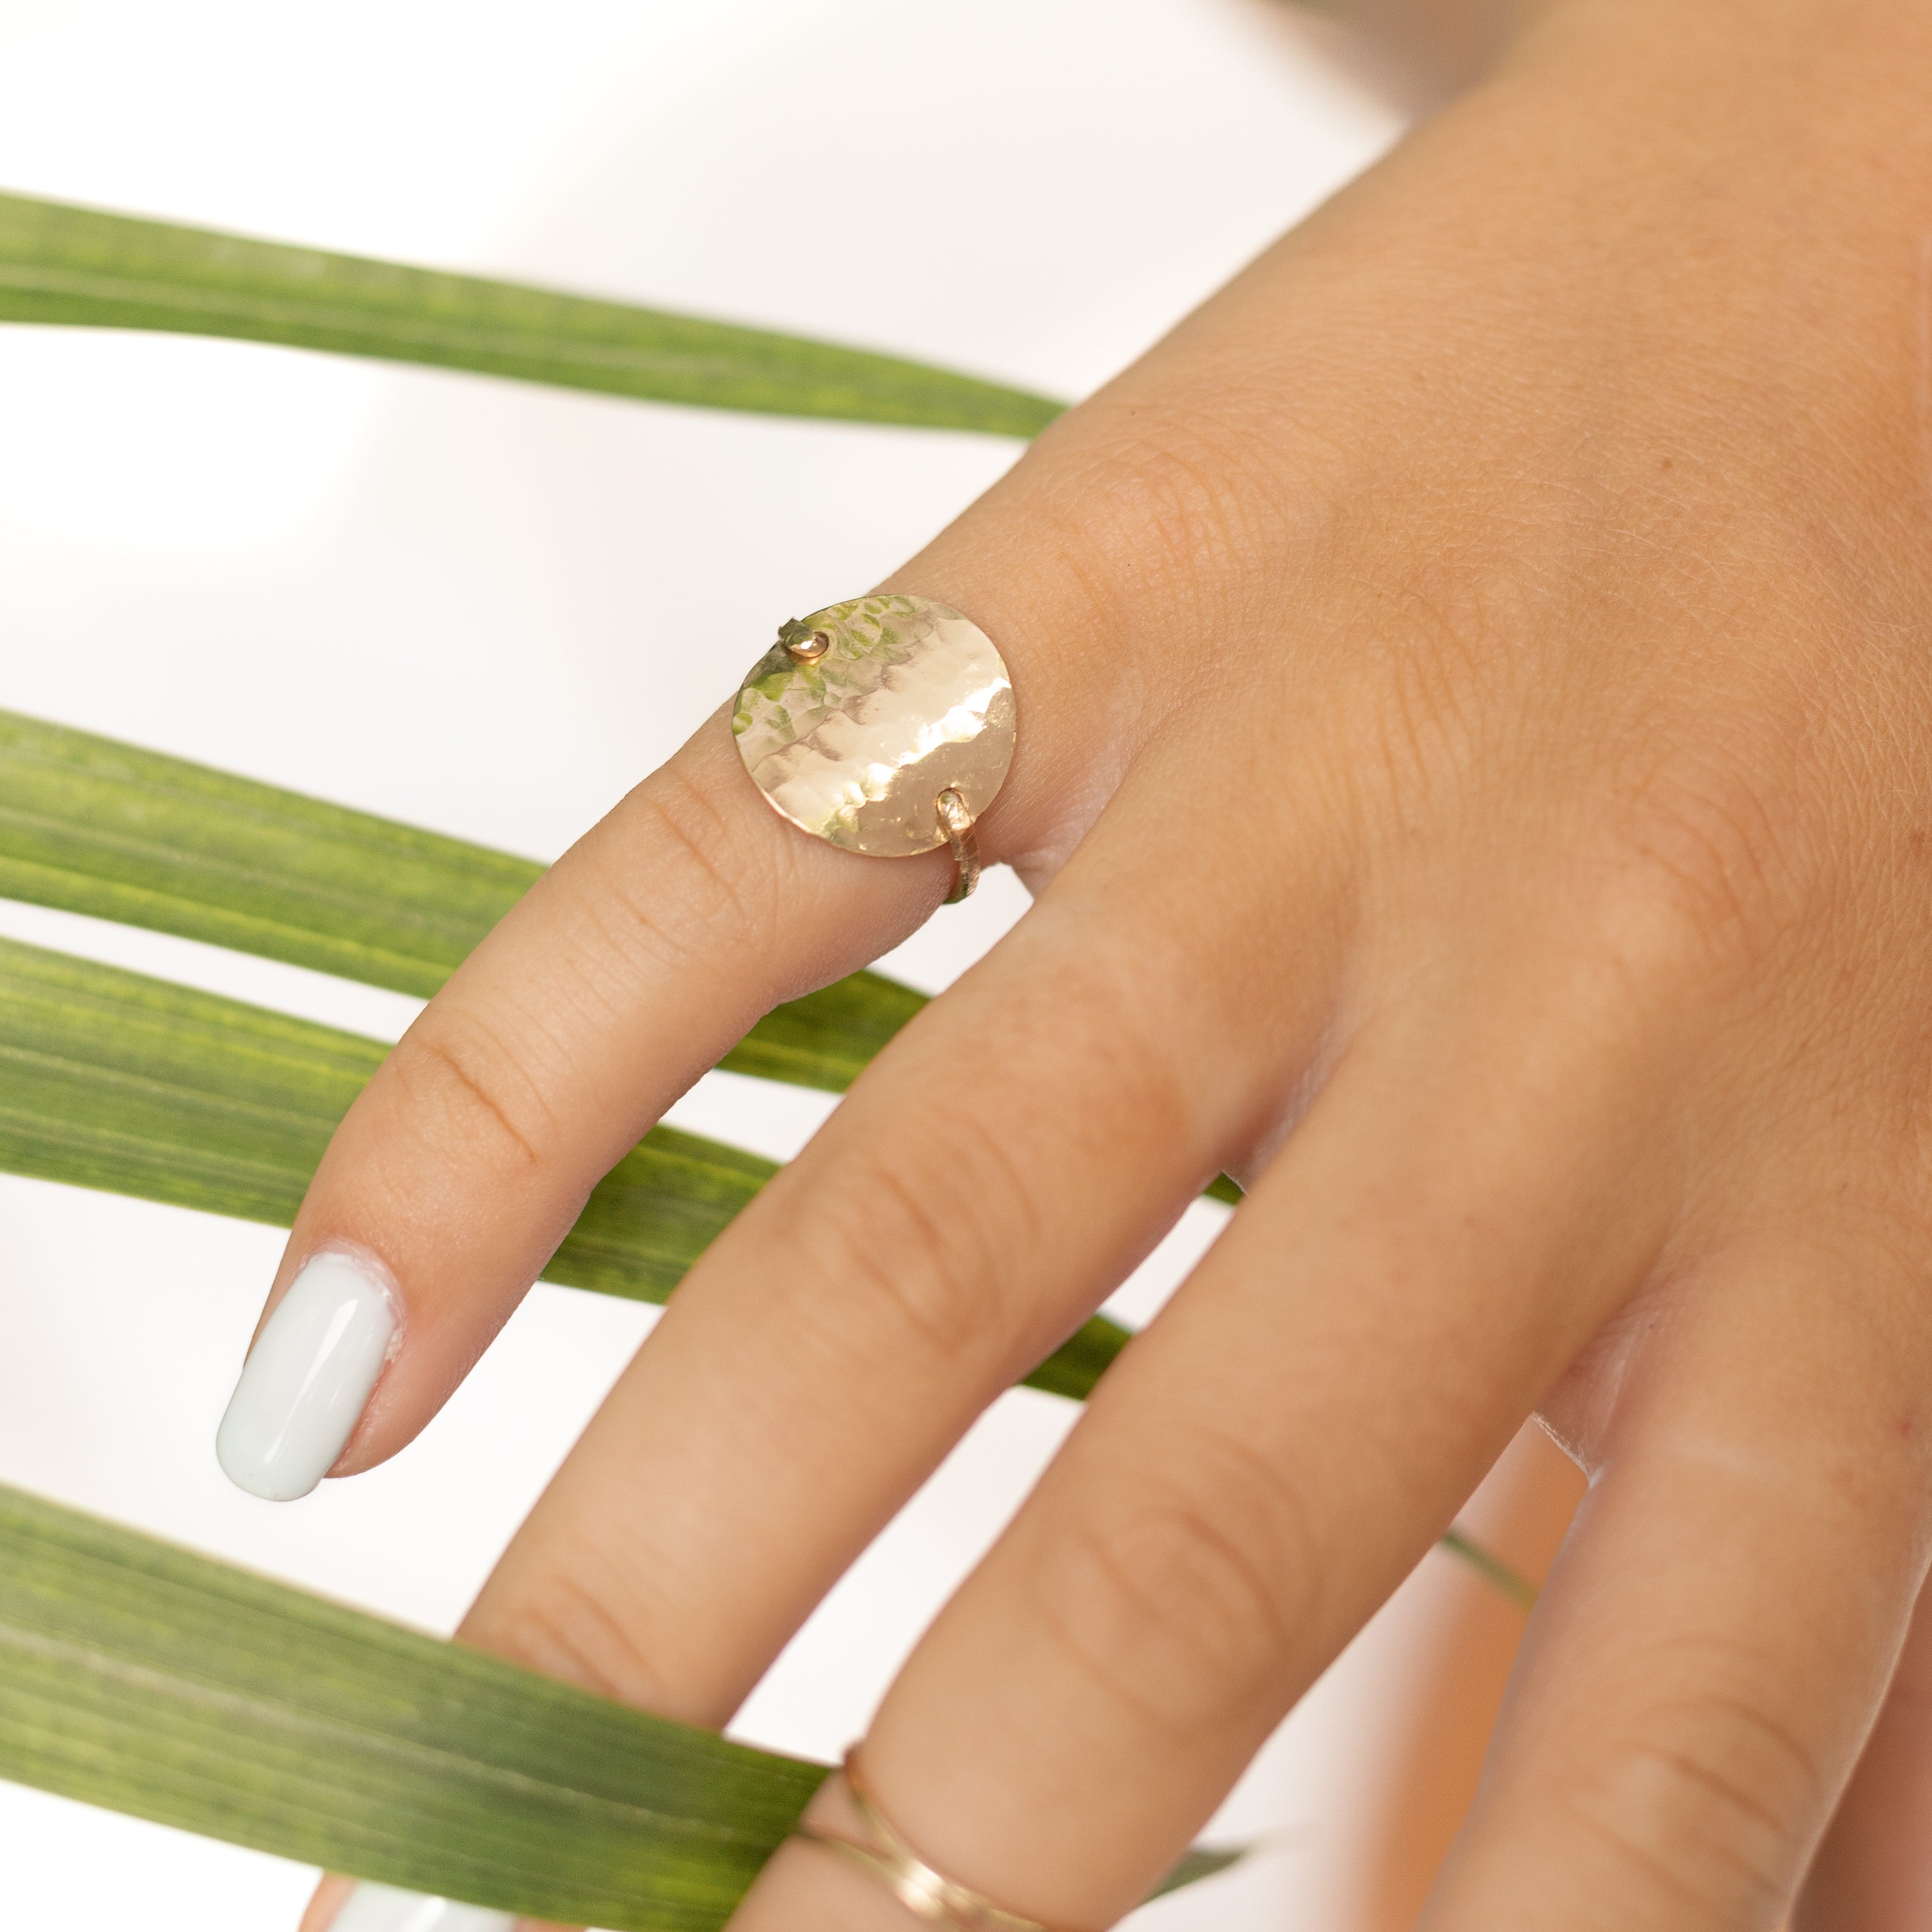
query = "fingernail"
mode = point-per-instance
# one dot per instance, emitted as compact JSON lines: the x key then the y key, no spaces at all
{"x":305,"y":1381}
{"x":381,"y":1908}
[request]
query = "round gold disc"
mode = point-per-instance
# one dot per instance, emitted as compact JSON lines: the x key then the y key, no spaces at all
{"x":855,"y":721}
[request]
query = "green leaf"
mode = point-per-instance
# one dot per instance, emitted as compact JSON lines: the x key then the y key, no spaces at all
{"x":80,"y":266}
{"x":93,"y":826}
{"x":1203,"y":1861}
{"x":112,"y":1080}
{"x":140,"y":1676}
{"x":1491,"y":1568}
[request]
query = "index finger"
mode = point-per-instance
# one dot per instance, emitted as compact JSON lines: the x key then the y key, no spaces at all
{"x":632,"y":966}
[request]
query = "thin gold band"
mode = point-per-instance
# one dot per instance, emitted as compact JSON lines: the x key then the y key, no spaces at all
{"x":956,"y":822}
{"x":924,"y":1892}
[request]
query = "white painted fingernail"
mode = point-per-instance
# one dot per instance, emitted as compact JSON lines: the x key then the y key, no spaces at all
{"x":381,"y":1908}
{"x":305,"y":1383}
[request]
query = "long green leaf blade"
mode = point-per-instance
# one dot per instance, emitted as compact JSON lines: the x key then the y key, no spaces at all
{"x":81,"y":266}
{"x":1203,"y":1861}
{"x":141,"y":1677}
{"x":1491,"y":1568}
{"x":90,"y":825}
{"x":112,"y":1080}
{"x":94,"y":826}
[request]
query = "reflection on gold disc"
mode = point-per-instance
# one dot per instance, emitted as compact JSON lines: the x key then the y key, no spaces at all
{"x":864,"y":712}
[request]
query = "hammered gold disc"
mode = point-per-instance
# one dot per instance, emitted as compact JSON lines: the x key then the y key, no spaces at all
{"x":853,"y":729}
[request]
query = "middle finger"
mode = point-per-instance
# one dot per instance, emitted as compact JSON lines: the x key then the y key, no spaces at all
{"x":921,"y":1254}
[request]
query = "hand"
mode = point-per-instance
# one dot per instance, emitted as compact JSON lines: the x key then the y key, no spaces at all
{"x":1473,"y":764}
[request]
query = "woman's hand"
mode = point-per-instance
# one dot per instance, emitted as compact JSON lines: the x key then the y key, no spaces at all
{"x":1475,"y":763}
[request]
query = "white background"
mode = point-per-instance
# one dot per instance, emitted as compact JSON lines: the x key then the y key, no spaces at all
{"x":488,"y":609}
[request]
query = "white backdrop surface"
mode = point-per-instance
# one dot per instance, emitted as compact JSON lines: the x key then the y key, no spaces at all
{"x":488,"y":609}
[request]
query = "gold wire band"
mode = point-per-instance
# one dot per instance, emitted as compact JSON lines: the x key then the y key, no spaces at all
{"x":956,"y":822}
{"x":924,"y":1892}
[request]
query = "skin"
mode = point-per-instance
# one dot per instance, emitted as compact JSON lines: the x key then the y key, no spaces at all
{"x":1448,"y":1710}
{"x":1475,"y":724}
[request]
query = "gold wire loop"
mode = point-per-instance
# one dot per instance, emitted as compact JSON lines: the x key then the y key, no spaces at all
{"x":802,"y":644}
{"x":924,"y":1892}
{"x":958,"y":825}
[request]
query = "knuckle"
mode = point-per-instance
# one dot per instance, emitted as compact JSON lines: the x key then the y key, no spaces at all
{"x":471,"y":1089}
{"x":1174,"y":498}
{"x":1706,"y":877}
{"x":1163,"y":502}
{"x":940,"y":1232}
{"x":1708,"y":1801}
{"x":560,"y":1623}
{"x":923,"y":1251}
{"x":1189,"y":493}
{"x":1181,"y":1599}
{"x":706,"y":882}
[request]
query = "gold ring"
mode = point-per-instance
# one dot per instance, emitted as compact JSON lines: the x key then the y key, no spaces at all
{"x":883,"y":725}
{"x":924,"y":1892}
